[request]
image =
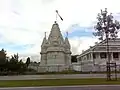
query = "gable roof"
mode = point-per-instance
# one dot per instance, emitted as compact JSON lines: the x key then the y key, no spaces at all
{"x":98,"y":44}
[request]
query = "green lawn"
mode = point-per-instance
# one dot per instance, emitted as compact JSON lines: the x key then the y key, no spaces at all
{"x":56,"y":82}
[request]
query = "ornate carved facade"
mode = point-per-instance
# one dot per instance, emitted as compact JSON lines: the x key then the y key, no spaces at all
{"x":55,"y":50}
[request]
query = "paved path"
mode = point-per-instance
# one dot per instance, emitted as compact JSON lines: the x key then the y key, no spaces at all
{"x":98,"y":87}
{"x":60,"y":76}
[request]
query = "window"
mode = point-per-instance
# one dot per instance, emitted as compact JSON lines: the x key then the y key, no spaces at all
{"x":115,"y":55}
{"x":102,"y":55}
{"x":94,"y":56}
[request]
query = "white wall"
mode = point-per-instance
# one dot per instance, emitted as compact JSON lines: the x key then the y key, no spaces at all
{"x":55,"y":58}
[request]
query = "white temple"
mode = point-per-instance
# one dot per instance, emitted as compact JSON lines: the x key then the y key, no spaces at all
{"x":55,"y":50}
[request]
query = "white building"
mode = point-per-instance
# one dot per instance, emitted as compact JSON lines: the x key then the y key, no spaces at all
{"x":55,"y":50}
{"x":94,"y":59}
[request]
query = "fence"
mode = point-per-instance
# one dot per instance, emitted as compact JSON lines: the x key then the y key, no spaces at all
{"x":73,"y":67}
{"x":51,"y":68}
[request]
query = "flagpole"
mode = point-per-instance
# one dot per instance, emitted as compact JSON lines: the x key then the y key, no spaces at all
{"x":56,"y":15}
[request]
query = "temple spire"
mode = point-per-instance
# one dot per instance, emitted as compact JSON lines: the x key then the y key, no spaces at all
{"x":67,"y":41}
{"x":44,"y":41}
{"x":67,"y":34}
{"x":55,"y":34}
{"x":56,"y":18}
{"x":45,"y":34}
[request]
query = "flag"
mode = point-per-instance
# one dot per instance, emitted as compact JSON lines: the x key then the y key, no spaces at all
{"x":59,"y":15}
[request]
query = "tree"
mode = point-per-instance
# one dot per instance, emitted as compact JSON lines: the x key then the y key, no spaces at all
{"x":12,"y":64}
{"x":28,"y":61}
{"x":2,"y":50}
{"x":107,"y":28}
{"x":15,"y":65}
{"x":2,"y":59}
{"x":16,"y":57}
{"x":21,"y":66}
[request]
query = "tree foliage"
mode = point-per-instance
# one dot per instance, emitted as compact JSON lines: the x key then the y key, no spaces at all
{"x":28,"y":61}
{"x":12,"y":64}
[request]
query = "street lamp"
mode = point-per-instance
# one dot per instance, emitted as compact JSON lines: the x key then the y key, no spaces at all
{"x":106,"y":28}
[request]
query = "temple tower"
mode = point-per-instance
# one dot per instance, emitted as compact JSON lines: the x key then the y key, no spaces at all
{"x":55,"y":50}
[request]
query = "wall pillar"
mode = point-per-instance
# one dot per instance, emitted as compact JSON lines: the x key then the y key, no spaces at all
{"x":112,"y":59}
{"x":91,"y":56}
{"x":99,"y":58}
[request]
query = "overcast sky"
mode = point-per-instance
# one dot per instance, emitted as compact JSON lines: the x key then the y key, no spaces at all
{"x":23,"y":23}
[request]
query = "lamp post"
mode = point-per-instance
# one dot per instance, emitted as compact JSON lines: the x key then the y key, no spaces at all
{"x":106,"y":28}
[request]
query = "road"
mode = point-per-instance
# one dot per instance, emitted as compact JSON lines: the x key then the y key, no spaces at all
{"x":60,"y":76}
{"x":99,"y":87}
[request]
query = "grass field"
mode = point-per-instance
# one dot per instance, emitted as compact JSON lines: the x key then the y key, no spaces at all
{"x":57,"y":82}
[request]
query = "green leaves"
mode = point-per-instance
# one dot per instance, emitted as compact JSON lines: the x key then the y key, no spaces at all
{"x":28,"y":61}
{"x":12,"y":64}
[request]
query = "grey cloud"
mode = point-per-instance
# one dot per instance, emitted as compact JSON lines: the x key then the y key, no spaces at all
{"x":74,"y":50}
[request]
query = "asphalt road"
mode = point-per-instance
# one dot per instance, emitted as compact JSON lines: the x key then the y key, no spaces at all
{"x":99,"y":87}
{"x":60,"y":76}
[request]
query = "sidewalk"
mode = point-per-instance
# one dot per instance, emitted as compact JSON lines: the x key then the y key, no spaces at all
{"x":58,"y":76}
